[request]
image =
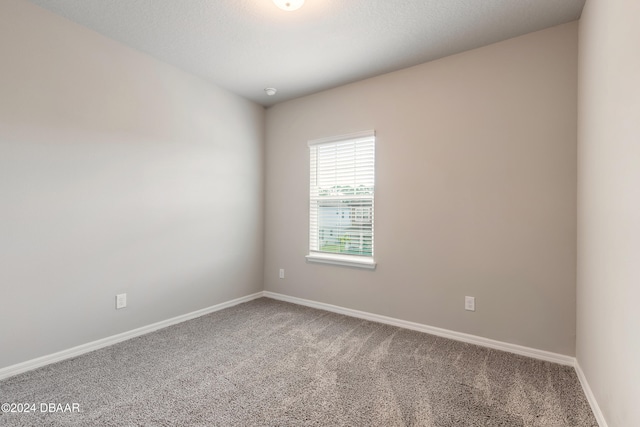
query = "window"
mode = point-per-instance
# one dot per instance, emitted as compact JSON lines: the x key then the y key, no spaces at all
{"x":341,"y":209}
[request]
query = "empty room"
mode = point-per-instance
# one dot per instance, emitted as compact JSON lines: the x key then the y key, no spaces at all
{"x":320,"y":212}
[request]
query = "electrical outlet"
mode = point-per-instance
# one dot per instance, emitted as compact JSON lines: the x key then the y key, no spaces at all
{"x":121,"y":301}
{"x":470,"y":303}
{"x":282,"y":273}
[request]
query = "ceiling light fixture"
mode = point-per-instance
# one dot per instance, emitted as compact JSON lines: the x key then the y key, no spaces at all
{"x":289,"y":5}
{"x":271,"y":91}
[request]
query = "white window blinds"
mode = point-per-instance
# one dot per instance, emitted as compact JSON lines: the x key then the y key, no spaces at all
{"x":341,"y":195}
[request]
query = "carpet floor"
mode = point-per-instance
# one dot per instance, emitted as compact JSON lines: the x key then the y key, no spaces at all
{"x":271,"y":363}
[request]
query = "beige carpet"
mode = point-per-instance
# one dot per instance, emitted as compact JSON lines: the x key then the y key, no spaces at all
{"x":270,"y":363}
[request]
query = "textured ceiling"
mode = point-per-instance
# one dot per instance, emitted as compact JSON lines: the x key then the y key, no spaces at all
{"x":248,"y":45}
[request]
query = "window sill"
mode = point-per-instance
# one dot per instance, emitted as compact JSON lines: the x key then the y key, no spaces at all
{"x":342,"y":260}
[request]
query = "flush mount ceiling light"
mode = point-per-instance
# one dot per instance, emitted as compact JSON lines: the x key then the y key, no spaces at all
{"x":289,"y":5}
{"x":271,"y":91}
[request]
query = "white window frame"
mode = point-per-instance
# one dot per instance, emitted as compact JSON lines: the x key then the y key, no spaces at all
{"x":315,"y":255}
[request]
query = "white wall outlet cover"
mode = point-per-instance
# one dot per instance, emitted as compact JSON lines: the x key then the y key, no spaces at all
{"x":282,"y":273}
{"x":121,"y":301}
{"x":470,"y":303}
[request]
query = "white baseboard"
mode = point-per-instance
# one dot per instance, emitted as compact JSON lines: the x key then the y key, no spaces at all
{"x":104,"y":342}
{"x":458,"y":336}
{"x":595,"y":408}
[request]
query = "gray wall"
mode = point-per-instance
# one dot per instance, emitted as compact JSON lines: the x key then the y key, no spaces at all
{"x":608,"y":343}
{"x":118,"y":173}
{"x":476,"y":191}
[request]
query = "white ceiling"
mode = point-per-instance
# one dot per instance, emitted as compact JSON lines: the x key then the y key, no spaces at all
{"x":248,"y":45}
